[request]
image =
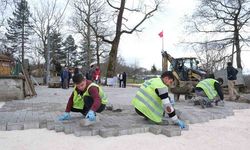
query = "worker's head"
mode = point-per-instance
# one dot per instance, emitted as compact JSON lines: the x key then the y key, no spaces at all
{"x":220,"y":80}
{"x":79,"y":81}
{"x":229,"y":64}
{"x":167,"y":77}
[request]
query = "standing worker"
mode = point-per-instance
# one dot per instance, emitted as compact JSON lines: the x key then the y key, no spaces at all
{"x":124,"y":79}
{"x":209,"y":91}
{"x":86,"y":98}
{"x":232,"y":77}
{"x":152,"y":99}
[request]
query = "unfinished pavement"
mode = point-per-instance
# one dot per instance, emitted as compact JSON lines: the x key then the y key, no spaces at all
{"x":42,"y":112}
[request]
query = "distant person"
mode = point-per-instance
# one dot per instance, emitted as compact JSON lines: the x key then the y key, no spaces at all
{"x":208,"y":91}
{"x":90,"y":73}
{"x":97,"y":75}
{"x":120,"y":80}
{"x":232,"y":77}
{"x":152,"y":99}
{"x":87,"y":98}
{"x":64,"y":78}
{"x":124,"y":79}
{"x":76,"y":71}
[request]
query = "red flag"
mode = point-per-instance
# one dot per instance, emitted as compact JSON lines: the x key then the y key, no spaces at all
{"x":161,"y":34}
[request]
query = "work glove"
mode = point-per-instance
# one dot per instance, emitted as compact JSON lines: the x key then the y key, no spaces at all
{"x":64,"y":116}
{"x":90,"y":115}
{"x":181,"y":124}
{"x":172,"y":101}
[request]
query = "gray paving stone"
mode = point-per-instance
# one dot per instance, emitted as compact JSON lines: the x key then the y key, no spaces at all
{"x":109,"y":132}
{"x":170,"y":132}
{"x":59,"y":127}
{"x":68,"y":129}
{"x":43,"y":123}
{"x":155,"y":130}
{"x":3,"y":126}
{"x":50,"y":125}
{"x":31,"y":125}
{"x":14,"y":126}
{"x":82,"y":132}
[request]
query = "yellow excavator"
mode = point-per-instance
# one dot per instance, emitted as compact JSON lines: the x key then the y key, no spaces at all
{"x":187,"y":74}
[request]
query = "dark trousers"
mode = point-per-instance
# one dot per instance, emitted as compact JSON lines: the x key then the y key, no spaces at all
{"x":88,"y":102}
{"x":124,"y":83}
{"x":141,"y":114}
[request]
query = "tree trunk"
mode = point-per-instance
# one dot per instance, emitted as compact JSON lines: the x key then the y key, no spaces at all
{"x":97,"y":52}
{"x":113,"y":58}
{"x":238,"y":50}
{"x":113,"y":53}
{"x":236,"y":37}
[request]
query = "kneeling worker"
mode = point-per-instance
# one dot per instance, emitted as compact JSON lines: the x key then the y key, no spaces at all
{"x":86,"y":98}
{"x":152,"y":99}
{"x":208,"y":91}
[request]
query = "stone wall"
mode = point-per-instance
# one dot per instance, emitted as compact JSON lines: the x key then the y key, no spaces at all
{"x":11,"y":88}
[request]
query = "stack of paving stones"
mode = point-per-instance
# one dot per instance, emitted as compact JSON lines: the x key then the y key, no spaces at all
{"x":117,"y":120}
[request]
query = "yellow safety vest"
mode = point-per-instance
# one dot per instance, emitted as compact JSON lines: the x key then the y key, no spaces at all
{"x":148,"y":102}
{"x":207,"y":86}
{"x":78,"y":100}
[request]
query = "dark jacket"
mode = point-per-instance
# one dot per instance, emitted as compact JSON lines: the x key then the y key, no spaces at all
{"x":231,"y":73}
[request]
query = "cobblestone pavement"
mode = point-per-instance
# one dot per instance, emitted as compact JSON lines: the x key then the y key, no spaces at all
{"x":42,"y":112}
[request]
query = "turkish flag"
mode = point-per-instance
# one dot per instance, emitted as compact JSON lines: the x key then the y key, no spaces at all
{"x":161,"y":34}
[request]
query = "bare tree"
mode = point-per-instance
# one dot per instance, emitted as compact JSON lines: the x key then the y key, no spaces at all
{"x":210,"y":59}
{"x":143,"y":12}
{"x":92,"y":11}
{"x":225,"y":23}
{"x":5,"y":5}
{"x":46,"y":18}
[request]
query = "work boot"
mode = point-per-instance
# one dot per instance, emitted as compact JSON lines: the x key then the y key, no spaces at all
{"x":237,"y":97}
{"x":209,"y":104}
{"x":220,"y":103}
{"x":203,"y":103}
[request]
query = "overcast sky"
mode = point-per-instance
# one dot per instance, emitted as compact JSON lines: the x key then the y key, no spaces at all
{"x":145,"y":48}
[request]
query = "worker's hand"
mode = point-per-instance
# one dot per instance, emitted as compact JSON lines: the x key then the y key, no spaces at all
{"x":181,"y":124}
{"x":64,"y":116}
{"x":172,"y":101}
{"x":90,"y":115}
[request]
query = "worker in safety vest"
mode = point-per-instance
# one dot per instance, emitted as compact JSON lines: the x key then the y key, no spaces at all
{"x":209,"y":91}
{"x":152,"y":99}
{"x":86,"y":98}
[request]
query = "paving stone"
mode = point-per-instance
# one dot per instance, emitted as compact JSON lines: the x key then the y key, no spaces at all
{"x":31,"y":125}
{"x":59,"y":127}
{"x":68,"y":129}
{"x":82,"y":132}
{"x":50,"y":125}
{"x":155,"y":130}
{"x":43,"y":123}
{"x":109,"y":132}
{"x":14,"y":126}
{"x":3,"y":126}
{"x":170,"y":132}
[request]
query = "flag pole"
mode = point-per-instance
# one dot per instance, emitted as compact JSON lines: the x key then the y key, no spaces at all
{"x":162,"y":42}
